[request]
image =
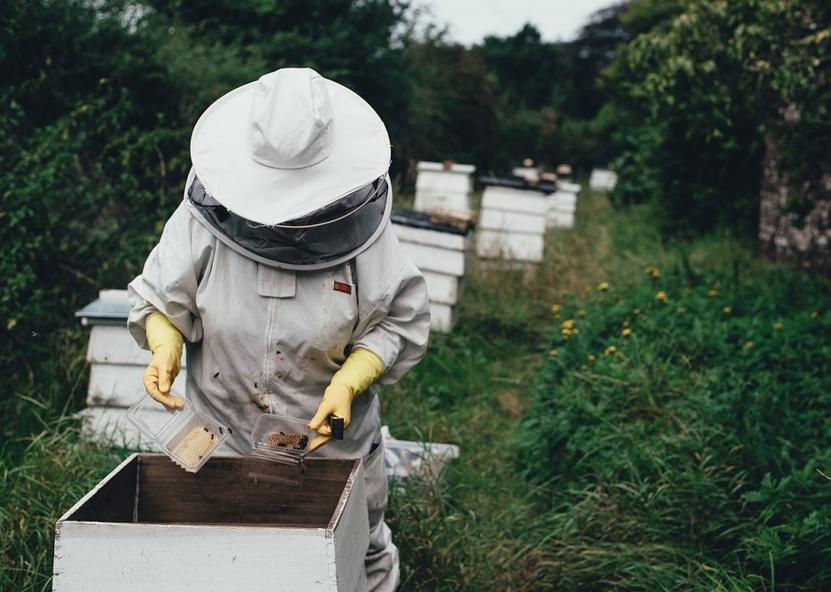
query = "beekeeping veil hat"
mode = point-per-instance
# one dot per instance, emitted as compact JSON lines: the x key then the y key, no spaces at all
{"x":292,"y":168}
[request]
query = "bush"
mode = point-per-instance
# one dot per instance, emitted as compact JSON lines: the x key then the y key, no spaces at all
{"x":680,"y":430}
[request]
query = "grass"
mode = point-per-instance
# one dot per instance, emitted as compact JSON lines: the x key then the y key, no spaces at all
{"x":573,"y":475}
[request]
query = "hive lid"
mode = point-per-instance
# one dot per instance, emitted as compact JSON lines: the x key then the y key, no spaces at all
{"x":110,"y":308}
{"x":424,"y":220}
{"x":518,"y":183}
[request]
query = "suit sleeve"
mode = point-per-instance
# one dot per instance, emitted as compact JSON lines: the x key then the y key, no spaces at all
{"x":170,"y":278}
{"x":397,"y":327}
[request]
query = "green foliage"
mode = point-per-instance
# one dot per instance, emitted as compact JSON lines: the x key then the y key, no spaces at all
{"x":693,"y":446}
{"x":698,"y":93}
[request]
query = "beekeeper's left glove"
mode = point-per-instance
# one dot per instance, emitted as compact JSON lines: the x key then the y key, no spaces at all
{"x":165,"y":342}
{"x":357,"y":374}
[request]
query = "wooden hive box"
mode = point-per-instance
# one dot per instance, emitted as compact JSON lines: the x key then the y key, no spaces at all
{"x":602,"y":180}
{"x":441,"y":186}
{"x":562,"y":205}
{"x":512,"y":223}
{"x":149,"y":526}
{"x":440,"y":252}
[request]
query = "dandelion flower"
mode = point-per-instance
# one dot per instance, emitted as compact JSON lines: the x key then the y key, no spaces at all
{"x":569,"y":324}
{"x":777,"y":326}
{"x":610,"y":350}
{"x":555,"y":309}
{"x":626,"y":323}
{"x":603,"y":286}
{"x":592,"y":357}
{"x":727,"y":310}
{"x":653,"y":272}
{"x":748,"y":345}
{"x":627,"y":332}
{"x":553,"y":353}
{"x":661,"y":296}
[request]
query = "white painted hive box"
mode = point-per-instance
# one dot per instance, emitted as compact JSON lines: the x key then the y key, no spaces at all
{"x":150,"y":527}
{"x":562,"y":205}
{"x":602,"y":180}
{"x":117,"y":367}
{"x":440,"y":252}
{"x":443,"y":187}
{"x":512,"y":224}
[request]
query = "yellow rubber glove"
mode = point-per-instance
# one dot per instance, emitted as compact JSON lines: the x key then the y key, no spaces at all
{"x":165,"y":342}
{"x":357,"y":374}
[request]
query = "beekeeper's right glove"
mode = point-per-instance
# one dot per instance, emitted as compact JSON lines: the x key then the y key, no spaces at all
{"x":165,"y":342}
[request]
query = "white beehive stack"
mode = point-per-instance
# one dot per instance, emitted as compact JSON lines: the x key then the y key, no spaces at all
{"x":443,"y":186}
{"x":562,"y":205}
{"x":602,"y":180}
{"x":440,"y":252}
{"x":511,"y":223}
{"x":116,"y":372}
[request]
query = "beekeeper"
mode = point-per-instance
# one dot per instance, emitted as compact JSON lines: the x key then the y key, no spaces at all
{"x":281,"y":271}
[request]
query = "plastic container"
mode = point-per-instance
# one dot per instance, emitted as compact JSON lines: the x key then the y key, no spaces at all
{"x":188,"y":437}
{"x":278,"y":447}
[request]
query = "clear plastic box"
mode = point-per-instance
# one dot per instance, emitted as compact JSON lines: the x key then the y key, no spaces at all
{"x":278,"y":447}
{"x":189,"y":438}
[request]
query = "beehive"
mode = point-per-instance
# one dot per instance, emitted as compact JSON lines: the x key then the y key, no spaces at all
{"x":148,"y":526}
{"x":562,"y":205}
{"x":117,"y":367}
{"x":440,"y":252}
{"x":512,"y":222}
{"x":602,"y":180}
{"x":443,"y":186}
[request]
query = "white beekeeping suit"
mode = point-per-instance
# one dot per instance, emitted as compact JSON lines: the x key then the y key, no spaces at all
{"x":270,"y":298}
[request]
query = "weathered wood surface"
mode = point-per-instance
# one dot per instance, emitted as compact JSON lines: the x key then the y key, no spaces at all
{"x":283,"y":546}
{"x":113,"y":344}
{"x":514,"y":200}
{"x":442,"y":288}
{"x":507,"y":221}
{"x":436,"y":259}
{"x":443,"y":187}
{"x":602,"y":180}
{"x":442,"y":317}
{"x":492,"y":244}
{"x":121,"y":386}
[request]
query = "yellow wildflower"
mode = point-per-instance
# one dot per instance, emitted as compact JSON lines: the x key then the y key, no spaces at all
{"x":814,"y":314}
{"x":748,"y":344}
{"x":592,"y":358}
{"x":603,"y":286}
{"x":777,"y":326}
{"x":636,"y":312}
{"x":627,"y":332}
{"x":653,"y":272}
{"x":555,"y":309}
{"x":727,"y":310}
{"x":581,"y":313}
{"x":610,"y":350}
{"x":569,"y":324}
{"x":553,"y":353}
{"x":713,"y":292}
{"x":626,"y":323}
{"x":661,"y":296}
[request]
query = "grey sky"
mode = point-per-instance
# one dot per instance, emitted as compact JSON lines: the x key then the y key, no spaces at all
{"x":471,"y":20}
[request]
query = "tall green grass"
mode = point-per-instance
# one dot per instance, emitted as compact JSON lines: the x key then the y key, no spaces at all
{"x":683,"y":461}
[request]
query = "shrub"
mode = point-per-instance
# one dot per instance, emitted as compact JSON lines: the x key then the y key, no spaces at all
{"x":681,"y":430}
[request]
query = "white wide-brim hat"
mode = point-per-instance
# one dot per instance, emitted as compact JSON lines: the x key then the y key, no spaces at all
{"x":287,"y":145}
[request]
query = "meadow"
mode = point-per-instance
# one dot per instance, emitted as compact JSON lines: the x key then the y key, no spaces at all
{"x":635,"y":414}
